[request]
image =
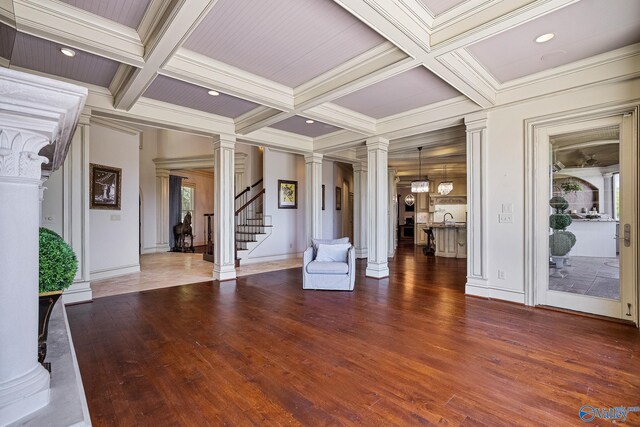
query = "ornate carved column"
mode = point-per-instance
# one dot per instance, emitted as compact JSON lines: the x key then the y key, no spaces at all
{"x":162,"y":210}
{"x":34,"y":112}
{"x":378,"y":199}
{"x":360,"y":177}
{"x":477,"y":277}
{"x":313,"y":196}
{"x":224,"y":219}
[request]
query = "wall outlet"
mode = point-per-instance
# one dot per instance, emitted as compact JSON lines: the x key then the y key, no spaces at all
{"x":115,"y":217}
{"x":502,"y":275}
{"x":505,"y":218}
{"x":49,"y":219}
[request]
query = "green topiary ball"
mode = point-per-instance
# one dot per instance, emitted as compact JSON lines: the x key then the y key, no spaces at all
{"x":559,"y":221}
{"x":559,"y":244}
{"x":570,"y":235}
{"x":58,"y":262}
{"x":558,"y":203}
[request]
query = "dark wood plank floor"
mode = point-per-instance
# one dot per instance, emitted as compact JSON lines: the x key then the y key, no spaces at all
{"x":408,"y":350}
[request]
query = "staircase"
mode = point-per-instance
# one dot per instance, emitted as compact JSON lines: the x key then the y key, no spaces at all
{"x":251,"y":228}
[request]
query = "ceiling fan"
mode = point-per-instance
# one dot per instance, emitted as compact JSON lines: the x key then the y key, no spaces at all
{"x":589,"y":161}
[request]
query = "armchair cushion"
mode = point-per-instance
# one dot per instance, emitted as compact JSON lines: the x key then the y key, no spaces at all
{"x":318,"y":267}
{"x":317,"y":242}
{"x":332,"y":253}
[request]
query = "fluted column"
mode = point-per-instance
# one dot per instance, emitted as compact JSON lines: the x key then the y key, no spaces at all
{"x":224,"y":218}
{"x":378,"y":205}
{"x":313,"y":197}
{"x":162,"y":210}
{"x":477,"y":275}
{"x":24,"y":382}
{"x":360,"y":225}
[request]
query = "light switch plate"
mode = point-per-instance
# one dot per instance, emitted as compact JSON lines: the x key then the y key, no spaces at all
{"x":505,"y":218}
{"x":507,"y":208}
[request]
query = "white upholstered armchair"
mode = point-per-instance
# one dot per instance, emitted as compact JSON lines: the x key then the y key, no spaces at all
{"x":329,"y":265}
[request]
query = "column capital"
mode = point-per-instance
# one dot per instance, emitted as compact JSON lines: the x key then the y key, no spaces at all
{"x":377,"y":143}
{"x":19,"y":154}
{"x":361,"y":153}
{"x":313,"y":158}
{"x":162,"y":173}
{"x":476,"y":121}
{"x":360,"y":167}
{"x":224,"y":141}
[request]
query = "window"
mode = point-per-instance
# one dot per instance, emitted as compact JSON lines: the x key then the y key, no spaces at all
{"x":189,"y":203}
{"x":616,"y":195}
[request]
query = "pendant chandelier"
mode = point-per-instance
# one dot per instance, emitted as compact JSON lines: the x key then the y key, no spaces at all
{"x":445,"y":187}
{"x":420,"y":185}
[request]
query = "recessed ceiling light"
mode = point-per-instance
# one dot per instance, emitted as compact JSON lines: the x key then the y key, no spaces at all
{"x":213,"y":93}
{"x":68,"y":52}
{"x":310,"y":121}
{"x":545,"y":38}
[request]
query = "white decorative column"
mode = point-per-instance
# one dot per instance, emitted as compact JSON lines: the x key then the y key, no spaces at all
{"x":608,"y":197}
{"x":223,"y":207}
{"x":75,"y":211}
{"x":477,"y":275}
{"x":392,"y":211}
{"x":360,"y":225}
{"x":34,"y":112}
{"x":313,"y":197}
{"x":239,"y":167}
{"x":162,"y":210}
{"x":378,"y":205}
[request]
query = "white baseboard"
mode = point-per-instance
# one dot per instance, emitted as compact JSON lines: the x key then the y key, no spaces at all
{"x":115,"y":271}
{"x":247,"y":261}
{"x":78,"y":292}
{"x":151,"y":250}
{"x":488,"y":291}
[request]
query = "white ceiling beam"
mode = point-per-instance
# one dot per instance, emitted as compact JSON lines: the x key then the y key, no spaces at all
{"x":343,"y":117}
{"x":203,"y":71}
{"x":337,"y":141}
{"x":258,"y":118}
{"x":275,"y":138}
{"x":409,"y":34}
{"x":70,"y":26}
{"x":152,"y":15}
{"x":176,"y":25}
{"x":375,"y":65}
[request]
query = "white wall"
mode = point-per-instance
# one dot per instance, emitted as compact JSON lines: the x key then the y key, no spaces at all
{"x":114,"y":234}
{"x":506,"y":171}
{"x":175,"y":145}
{"x":52,"y":213}
{"x":148,"y":189}
{"x":287,"y":238}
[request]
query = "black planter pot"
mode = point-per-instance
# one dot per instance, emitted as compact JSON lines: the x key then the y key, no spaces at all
{"x":47,"y":302}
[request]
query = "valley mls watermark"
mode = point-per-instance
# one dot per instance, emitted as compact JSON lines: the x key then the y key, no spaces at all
{"x":619,"y":413}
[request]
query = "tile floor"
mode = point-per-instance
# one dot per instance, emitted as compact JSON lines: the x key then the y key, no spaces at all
{"x":174,"y":269}
{"x":598,"y":277}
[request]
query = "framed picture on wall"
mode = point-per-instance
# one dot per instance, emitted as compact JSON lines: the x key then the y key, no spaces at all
{"x":338,"y":198}
{"x":287,"y":194}
{"x":323,"y":197}
{"x":106,"y":186}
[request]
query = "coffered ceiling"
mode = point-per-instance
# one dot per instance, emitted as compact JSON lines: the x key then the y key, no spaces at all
{"x":357,"y":68}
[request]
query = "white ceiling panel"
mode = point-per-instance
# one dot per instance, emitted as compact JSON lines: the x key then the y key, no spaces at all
{"x":287,"y":41}
{"x":125,"y":12}
{"x":45,"y":56}
{"x":412,"y":89}
{"x":583,"y":29}
{"x":438,"y":7}
{"x":187,"y":95}
{"x":299,"y":125}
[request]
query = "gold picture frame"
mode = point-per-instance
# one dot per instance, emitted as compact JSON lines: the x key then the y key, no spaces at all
{"x":287,"y":194}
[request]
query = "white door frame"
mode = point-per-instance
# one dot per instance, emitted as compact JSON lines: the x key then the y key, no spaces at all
{"x":537,"y":168}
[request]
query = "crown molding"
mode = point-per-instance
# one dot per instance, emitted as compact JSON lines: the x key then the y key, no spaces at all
{"x":203,"y":71}
{"x":176,"y":163}
{"x":71,"y":26}
{"x":258,"y":118}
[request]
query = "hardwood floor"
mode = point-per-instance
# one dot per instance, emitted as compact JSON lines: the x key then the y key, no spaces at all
{"x":408,"y":350}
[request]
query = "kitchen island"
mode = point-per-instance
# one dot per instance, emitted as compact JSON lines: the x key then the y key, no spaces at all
{"x":451,"y":239}
{"x":594,"y":237}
